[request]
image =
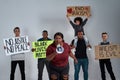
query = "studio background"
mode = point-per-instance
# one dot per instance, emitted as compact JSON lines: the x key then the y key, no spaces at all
{"x":34,"y":16}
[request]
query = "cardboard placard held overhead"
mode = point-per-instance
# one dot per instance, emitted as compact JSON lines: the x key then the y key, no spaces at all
{"x":78,"y":11}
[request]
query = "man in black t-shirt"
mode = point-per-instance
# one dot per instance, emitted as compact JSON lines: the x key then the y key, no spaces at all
{"x":80,"y":45}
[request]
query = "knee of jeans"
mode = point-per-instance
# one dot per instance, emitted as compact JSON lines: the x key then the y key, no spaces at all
{"x":85,"y":71}
{"x":77,"y":70}
{"x":53,"y":77}
{"x":65,"y":77}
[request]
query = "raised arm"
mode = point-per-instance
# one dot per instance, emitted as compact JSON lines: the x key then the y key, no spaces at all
{"x":51,"y":56}
{"x":84,"y":22}
{"x":70,"y":21}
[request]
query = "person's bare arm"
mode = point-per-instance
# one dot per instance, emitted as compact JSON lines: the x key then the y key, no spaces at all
{"x":51,"y":56}
{"x":72,"y":56}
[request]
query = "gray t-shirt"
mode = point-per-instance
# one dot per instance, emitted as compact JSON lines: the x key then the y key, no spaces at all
{"x":20,"y":56}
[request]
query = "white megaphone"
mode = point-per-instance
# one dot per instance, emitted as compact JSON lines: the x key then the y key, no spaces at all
{"x":59,"y":49}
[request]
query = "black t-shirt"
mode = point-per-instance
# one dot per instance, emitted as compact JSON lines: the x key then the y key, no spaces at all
{"x":104,"y":43}
{"x":81,"y":49}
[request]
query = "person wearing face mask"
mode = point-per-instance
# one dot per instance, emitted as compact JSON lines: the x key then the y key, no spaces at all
{"x":59,"y":65}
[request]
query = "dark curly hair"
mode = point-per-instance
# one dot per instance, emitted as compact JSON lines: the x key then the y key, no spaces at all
{"x":78,"y":19}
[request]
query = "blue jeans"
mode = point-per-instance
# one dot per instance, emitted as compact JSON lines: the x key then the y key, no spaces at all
{"x":84,"y":63}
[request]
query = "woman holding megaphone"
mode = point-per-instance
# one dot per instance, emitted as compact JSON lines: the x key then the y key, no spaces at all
{"x":58,"y":53}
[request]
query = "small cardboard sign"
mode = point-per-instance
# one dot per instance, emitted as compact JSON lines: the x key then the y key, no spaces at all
{"x":107,"y":51}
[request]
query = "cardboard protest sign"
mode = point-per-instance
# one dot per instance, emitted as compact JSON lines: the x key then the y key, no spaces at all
{"x":78,"y":11}
{"x":107,"y":51}
{"x":16,"y":45}
{"x":40,"y":48}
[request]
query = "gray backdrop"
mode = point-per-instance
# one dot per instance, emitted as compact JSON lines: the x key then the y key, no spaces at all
{"x":33,"y":16}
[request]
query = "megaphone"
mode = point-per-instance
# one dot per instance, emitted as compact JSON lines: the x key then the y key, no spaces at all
{"x":59,"y":49}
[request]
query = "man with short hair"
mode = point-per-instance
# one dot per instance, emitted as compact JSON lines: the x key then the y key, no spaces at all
{"x":17,"y":59}
{"x":80,"y":45}
{"x":43,"y":61}
{"x":106,"y":62}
